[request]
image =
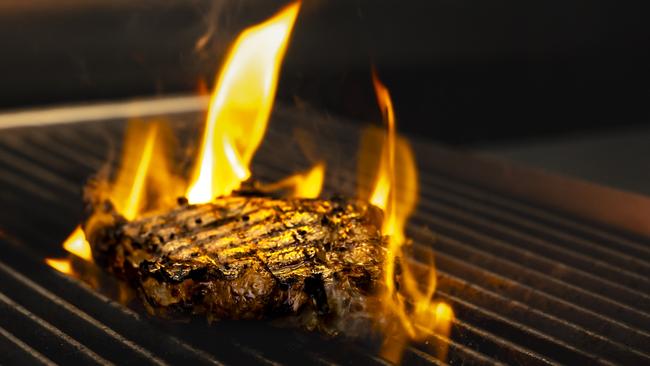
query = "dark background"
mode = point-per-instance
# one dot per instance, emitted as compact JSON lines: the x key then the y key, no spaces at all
{"x":461,"y":71}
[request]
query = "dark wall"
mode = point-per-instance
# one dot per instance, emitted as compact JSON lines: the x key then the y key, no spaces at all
{"x":460,"y":71}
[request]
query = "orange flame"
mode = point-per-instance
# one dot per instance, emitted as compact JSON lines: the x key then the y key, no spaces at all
{"x":61,"y":265}
{"x":411,"y":304}
{"x":383,"y":194}
{"x":144,"y":181}
{"x":240,"y":107}
{"x":77,"y":244}
{"x":126,"y":192}
{"x":236,"y":122}
{"x":307,"y":184}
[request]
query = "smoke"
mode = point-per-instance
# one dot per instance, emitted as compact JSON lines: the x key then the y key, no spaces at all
{"x":211,"y":23}
{"x":220,"y":23}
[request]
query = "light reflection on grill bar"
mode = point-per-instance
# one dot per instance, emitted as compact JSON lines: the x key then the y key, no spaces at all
{"x":611,"y":275}
{"x":71,"y":342}
{"x":51,"y":187}
{"x":582,"y":246}
{"x":16,"y":276}
{"x":560,"y":307}
{"x":30,"y":355}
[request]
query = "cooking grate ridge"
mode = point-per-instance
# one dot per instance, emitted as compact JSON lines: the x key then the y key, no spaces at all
{"x":522,"y":297}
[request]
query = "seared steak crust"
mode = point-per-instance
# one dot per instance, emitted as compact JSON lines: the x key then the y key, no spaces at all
{"x":244,"y":257}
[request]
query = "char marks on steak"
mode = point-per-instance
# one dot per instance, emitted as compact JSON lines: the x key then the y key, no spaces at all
{"x":242,"y":257}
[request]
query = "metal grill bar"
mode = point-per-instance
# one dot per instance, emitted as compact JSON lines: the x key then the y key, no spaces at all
{"x":527,"y":217}
{"x":24,"y":354}
{"x":521,"y":279}
{"x":529,"y":230}
{"x":510,"y":350}
{"x":70,"y":349}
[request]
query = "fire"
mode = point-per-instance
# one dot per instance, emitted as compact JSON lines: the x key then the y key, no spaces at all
{"x":307,"y":184}
{"x":237,"y":117}
{"x":61,"y":265}
{"x":411,"y":303}
{"x":240,"y":107}
{"x":77,"y":244}
{"x":236,"y":122}
{"x":145,"y":180}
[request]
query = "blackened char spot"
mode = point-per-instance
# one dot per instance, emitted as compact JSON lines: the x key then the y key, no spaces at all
{"x":325,"y":221}
{"x":199,"y":274}
{"x":315,"y":288}
{"x":337,"y":199}
{"x":363,"y":280}
{"x":327,"y":246}
{"x":199,"y":293}
{"x":151,"y":269}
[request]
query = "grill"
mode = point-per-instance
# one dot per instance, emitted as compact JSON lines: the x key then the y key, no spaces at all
{"x":532,"y":273}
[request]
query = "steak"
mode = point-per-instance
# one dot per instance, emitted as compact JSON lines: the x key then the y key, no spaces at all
{"x":249,"y":257}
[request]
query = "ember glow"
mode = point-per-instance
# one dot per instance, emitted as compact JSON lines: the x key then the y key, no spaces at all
{"x":240,"y":107}
{"x":412,"y":304}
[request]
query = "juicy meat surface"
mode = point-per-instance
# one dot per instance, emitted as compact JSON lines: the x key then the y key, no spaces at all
{"x":244,"y":257}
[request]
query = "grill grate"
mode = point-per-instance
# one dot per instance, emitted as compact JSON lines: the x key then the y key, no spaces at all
{"x":528,"y":285}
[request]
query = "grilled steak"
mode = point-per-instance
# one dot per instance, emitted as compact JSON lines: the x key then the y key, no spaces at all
{"x":242,"y":257}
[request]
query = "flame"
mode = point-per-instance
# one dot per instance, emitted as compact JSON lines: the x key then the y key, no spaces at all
{"x":383,"y":195}
{"x":236,"y":122}
{"x":77,"y":244}
{"x":310,"y":183}
{"x":241,"y":104}
{"x":145,"y":180}
{"x":307,"y":184}
{"x":411,"y":304}
{"x":127,"y":191}
{"x":61,"y":265}
{"x":240,"y":107}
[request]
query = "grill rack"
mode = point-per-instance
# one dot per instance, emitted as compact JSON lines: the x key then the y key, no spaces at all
{"x":528,"y":285}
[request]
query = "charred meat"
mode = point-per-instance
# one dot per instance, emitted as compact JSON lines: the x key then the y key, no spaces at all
{"x":242,"y":257}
